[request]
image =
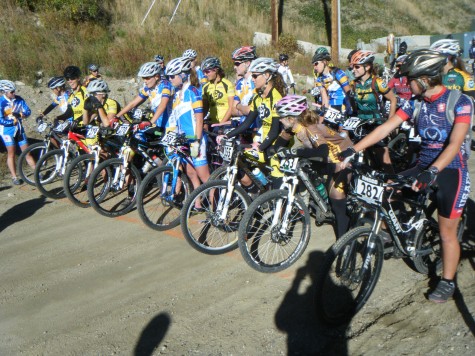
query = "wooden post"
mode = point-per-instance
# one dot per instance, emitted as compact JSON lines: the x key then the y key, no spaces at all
{"x":275,"y":21}
{"x":335,"y":51}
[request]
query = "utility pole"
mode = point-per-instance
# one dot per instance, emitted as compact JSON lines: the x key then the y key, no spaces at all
{"x":275,"y":21}
{"x":335,"y":40}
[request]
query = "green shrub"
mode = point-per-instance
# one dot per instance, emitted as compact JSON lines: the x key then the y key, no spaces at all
{"x":288,"y":44}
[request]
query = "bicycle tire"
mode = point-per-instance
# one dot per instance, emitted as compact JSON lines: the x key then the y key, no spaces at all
{"x":154,"y":209}
{"x":340,"y":291}
{"x":76,"y":177}
{"x":106,"y":196}
{"x":204,"y":230}
{"x":26,"y":173}
{"x":218,"y":174}
{"x":49,"y":168}
{"x":272,"y":251}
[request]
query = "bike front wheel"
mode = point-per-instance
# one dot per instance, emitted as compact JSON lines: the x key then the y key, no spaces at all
{"x":25,"y":171}
{"x":158,"y":205}
{"x":207,"y":228}
{"x":343,"y":285}
{"x":273,"y":232}
{"x":76,"y":178}
{"x":49,"y":174}
{"x":110,"y":191}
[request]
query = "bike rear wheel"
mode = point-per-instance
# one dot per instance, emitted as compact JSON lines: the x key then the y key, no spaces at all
{"x":342,"y":289}
{"x":268,"y":248}
{"x":158,"y":208}
{"x":204,"y":229}
{"x":76,"y":178}
{"x":26,"y":173}
{"x":110,"y":192}
{"x":49,"y":174}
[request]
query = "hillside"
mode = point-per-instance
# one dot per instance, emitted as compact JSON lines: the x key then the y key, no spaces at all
{"x":49,"y":34}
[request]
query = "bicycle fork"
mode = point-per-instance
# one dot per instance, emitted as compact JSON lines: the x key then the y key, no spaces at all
{"x":289,"y":183}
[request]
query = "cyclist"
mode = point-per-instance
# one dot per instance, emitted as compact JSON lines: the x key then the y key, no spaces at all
{"x":242,"y":58}
{"x":160,"y":60}
{"x":93,"y":74}
{"x":60,"y":100}
{"x":77,"y":95}
{"x":368,"y":89}
{"x":98,"y":106}
{"x":399,"y":84}
{"x":191,"y":54}
{"x":332,"y":82}
{"x":442,"y":158}
{"x":285,"y":72}
{"x":316,"y":139}
{"x":471,"y":54}
{"x":455,"y":76}
{"x":402,"y":50}
{"x":187,"y":115}
{"x":13,"y":109}
{"x":157,"y":90}
{"x":218,"y":94}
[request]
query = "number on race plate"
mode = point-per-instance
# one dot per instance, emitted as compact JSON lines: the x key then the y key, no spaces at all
{"x":169,"y":138}
{"x":332,"y":115}
{"x":227,"y":151}
{"x":288,"y":165}
{"x":351,"y":123}
{"x":369,"y":190}
{"x":122,"y":130}
{"x":42,"y":127}
{"x":92,"y":132}
{"x":61,"y":127}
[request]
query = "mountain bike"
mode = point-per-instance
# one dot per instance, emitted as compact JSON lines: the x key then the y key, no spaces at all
{"x":212,"y":228}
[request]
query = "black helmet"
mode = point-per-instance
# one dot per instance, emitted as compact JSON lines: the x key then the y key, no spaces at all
{"x":72,"y":72}
{"x":321,"y":54}
{"x":283,"y":57}
{"x":403,"y":47}
{"x":423,"y":62}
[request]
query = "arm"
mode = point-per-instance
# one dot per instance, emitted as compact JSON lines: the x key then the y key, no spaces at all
{"x":325,"y":98}
{"x":272,"y":135}
{"x":244,"y":126}
{"x":241,"y":109}
{"x":227,"y":115}
{"x":379,"y":133}
{"x":393,"y":100}
{"x":160,"y":109}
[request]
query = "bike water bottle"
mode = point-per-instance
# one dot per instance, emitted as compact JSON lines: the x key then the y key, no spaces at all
{"x":146,"y":167}
{"x":260,"y":176}
{"x":321,"y":189}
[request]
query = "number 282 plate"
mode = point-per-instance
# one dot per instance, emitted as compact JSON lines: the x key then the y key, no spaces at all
{"x":369,"y":190}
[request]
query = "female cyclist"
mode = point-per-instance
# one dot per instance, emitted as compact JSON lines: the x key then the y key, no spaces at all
{"x":93,"y":74}
{"x":155,"y":89}
{"x":332,"y":82}
{"x":218,"y":94}
{"x":60,"y":99}
{"x":455,"y":75}
{"x":13,"y":109}
{"x":285,"y":72}
{"x":399,"y":84}
{"x":316,"y":139}
{"x":98,"y":106}
{"x":187,"y":116}
{"x":442,"y":158}
{"x":193,"y":55}
{"x":78,"y":93}
{"x":368,"y":88}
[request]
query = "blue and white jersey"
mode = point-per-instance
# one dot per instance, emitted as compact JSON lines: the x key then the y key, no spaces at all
{"x":155,"y":95}
{"x":61,"y":101}
{"x":187,"y":102}
{"x":245,"y":90}
{"x":9,"y":107}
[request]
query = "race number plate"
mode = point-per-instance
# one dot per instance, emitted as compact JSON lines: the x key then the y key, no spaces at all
{"x":169,"y":138}
{"x":288,"y":165}
{"x":227,"y":151}
{"x":92,"y":132}
{"x":122,"y":130}
{"x":351,"y":123}
{"x":332,"y":115}
{"x":42,"y":127}
{"x":61,"y":127}
{"x":369,"y":190}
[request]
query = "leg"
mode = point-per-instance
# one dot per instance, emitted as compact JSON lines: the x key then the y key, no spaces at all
{"x":450,"y":246}
{"x":29,"y":157}
{"x":11,"y":160}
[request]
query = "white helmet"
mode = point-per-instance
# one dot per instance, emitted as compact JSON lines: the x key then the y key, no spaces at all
{"x":446,"y":46}
{"x":149,"y":69}
{"x":98,"y":86}
{"x":263,"y":64}
{"x":190,"y":53}
{"x":178,"y":65}
{"x":7,"y":86}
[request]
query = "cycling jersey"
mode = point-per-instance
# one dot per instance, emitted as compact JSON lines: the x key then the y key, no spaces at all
{"x":155,"y":95}
{"x":267,"y":120}
{"x":286,"y":74}
{"x":456,"y":79}
{"x":202,"y":78}
{"x":90,"y":78}
{"x":366,"y":99}
{"x":333,"y":82}
{"x":401,"y":87}
{"x":245,"y":90}
{"x":76,"y":100}
{"x":9,"y":110}
{"x":434,"y":127}
{"x":217,"y":96}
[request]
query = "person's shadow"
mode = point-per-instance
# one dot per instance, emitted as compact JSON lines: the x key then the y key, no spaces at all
{"x":21,"y":212}
{"x":152,"y":335}
{"x":296,"y":316}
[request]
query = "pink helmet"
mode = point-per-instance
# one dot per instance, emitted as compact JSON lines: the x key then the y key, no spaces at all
{"x":291,"y":105}
{"x":242,"y":54}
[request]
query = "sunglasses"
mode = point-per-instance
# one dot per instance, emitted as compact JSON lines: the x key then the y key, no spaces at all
{"x":255,"y":76}
{"x":316,"y":63}
{"x":70,"y":78}
{"x":237,"y":64}
{"x":172,"y":76}
{"x":356,"y":67}
{"x":206,"y":71}
{"x":147,"y":78}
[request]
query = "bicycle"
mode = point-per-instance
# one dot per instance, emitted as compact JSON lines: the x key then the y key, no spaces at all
{"x":213,"y":228}
{"x":50,"y":140}
{"x":162,"y":193}
{"x":113,"y":185}
{"x":353,"y":264}
{"x":51,"y":167}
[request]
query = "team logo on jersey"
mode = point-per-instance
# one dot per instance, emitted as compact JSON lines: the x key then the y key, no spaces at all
{"x":263,"y":111}
{"x":470,"y":84}
{"x":217,"y":95}
{"x":75,"y":102}
{"x":441,"y":107}
{"x":464,"y":109}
